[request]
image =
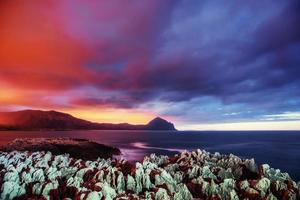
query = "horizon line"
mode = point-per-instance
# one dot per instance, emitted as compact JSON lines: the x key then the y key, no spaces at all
{"x":293,"y":125}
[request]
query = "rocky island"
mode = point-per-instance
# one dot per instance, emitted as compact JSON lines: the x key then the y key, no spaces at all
{"x":189,"y":175}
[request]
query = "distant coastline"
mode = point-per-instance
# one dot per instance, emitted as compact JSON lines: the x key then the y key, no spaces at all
{"x":37,"y":120}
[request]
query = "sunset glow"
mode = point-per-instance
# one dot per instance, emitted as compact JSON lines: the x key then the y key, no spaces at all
{"x":202,"y":64}
{"x":112,"y":115}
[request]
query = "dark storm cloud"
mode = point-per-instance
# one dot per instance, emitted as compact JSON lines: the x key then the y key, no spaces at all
{"x":237,"y":53}
{"x":281,"y":30}
{"x":225,"y":64}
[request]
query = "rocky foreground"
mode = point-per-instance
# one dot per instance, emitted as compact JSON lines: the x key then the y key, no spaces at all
{"x":189,"y":175}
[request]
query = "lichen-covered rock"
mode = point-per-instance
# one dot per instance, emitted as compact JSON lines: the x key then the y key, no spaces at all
{"x":93,"y":196}
{"x":121,"y":183}
{"x":139,"y":174}
{"x":263,"y":185}
{"x":108,"y":192}
{"x":161,"y":194}
{"x":182,"y":192}
{"x":188,"y":175}
{"x":11,"y":190}
{"x":11,"y":176}
{"x":130,"y":183}
{"x":271,"y":197}
{"x":147,"y":182}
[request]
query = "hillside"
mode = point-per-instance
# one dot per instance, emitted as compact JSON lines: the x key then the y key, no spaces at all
{"x":53,"y":120}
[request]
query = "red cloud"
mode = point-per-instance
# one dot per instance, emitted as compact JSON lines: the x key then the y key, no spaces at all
{"x":52,"y":46}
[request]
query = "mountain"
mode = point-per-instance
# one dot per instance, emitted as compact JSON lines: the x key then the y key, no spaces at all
{"x":36,"y":119}
{"x":53,"y":120}
{"x":160,"y":124}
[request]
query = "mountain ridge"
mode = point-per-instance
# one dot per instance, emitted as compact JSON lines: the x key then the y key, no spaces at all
{"x":54,"y":120}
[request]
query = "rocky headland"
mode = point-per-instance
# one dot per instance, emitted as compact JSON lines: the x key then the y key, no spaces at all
{"x":188,"y":175}
{"x":76,"y":148}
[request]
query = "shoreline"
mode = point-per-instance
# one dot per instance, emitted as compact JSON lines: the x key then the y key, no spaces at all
{"x":75,"y":147}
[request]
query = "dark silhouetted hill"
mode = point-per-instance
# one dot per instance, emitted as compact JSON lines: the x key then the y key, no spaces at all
{"x":160,"y":124}
{"x":53,"y":120}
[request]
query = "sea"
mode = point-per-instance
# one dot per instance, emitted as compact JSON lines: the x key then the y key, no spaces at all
{"x":279,"y":149}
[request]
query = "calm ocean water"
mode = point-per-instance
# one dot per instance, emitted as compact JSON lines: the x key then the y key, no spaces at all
{"x":280,"y":149}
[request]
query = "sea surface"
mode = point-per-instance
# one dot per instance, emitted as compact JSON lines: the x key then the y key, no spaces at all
{"x":280,"y":149}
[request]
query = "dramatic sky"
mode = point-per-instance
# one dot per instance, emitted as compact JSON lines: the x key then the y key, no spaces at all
{"x":202,"y":64}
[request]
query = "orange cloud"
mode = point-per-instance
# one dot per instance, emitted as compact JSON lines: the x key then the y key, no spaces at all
{"x":35,"y":52}
{"x":111,"y":115}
